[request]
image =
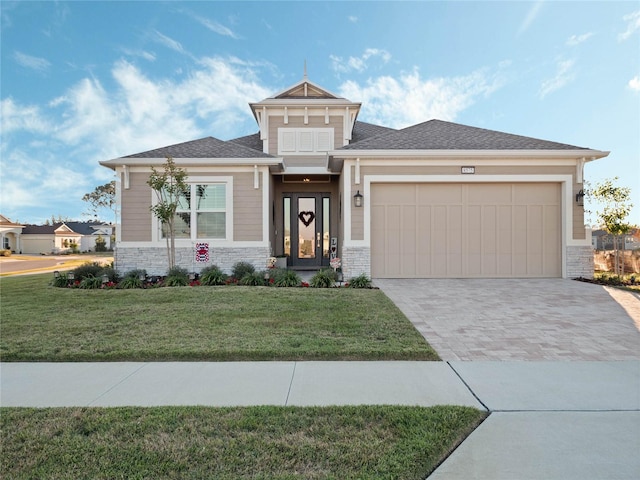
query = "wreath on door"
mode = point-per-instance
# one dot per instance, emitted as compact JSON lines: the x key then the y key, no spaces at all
{"x":306,"y":218}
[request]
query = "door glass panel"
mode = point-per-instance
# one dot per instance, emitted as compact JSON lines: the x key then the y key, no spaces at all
{"x":287,"y":226}
{"x":307,"y":228}
{"x":325,"y":228}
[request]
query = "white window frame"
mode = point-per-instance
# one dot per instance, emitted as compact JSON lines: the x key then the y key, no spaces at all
{"x":192,"y":182}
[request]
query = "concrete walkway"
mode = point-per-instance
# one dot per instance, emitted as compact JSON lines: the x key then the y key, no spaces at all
{"x":551,"y":420}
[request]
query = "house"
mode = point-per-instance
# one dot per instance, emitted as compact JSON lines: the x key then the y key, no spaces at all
{"x":434,"y":200}
{"x":10,"y":234}
{"x":62,"y":236}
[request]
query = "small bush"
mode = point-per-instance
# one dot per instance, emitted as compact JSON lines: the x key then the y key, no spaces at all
{"x":212,"y":275}
{"x":241,"y":269}
{"x":130,"y":282}
{"x":285,"y":278}
{"x":254,"y":279}
{"x":90,"y":282}
{"x":89,"y":269}
{"x":61,"y":281}
{"x":5,"y":253}
{"x":177,"y":277}
{"x":101,"y":244}
{"x":361,"y":281}
{"x":325,"y":278}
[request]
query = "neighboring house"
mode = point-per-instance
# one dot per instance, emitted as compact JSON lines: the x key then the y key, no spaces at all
{"x":602,"y":240}
{"x":10,"y":234}
{"x":60,"y":237}
{"x":437,"y":199}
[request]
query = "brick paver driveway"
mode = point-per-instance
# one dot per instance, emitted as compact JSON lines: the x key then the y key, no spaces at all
{"x":538,"y":319}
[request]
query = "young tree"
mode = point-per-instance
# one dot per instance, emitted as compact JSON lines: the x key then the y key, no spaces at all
{"x":616,"y":206}
{"x":104,"y":196}
{"x":169,"y":186}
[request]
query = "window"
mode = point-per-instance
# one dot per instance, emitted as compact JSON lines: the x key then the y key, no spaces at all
{"x":304,"y":141}
{"x":205,"y":207}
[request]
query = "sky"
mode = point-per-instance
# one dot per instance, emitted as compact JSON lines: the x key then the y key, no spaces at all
{"x":83,"y":82}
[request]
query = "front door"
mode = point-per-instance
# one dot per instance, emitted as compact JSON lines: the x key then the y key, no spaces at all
{"x":306,"y":229}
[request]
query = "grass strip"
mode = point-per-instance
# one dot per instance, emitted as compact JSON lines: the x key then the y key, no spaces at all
{"x":382,"y":442}
{"x":43,"y":323}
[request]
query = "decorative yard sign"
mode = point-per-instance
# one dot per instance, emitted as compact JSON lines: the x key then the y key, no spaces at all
{"x":202,"y":252}
{"x":334,"y":247}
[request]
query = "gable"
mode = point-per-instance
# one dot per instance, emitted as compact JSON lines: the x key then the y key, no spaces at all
{"x":304,"y":90}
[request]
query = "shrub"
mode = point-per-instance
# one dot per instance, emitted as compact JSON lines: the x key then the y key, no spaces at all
{"x":361,"y":281}
{"x":285,"y":278}
{"x":101,"y":244}
{"x":177,"y":277}
{"x":132,"y":279}
{"x":254,"y":279}
{"x":89,"y":269}
{"x":90,"y":282}
{"x":61,"y":281}
{"x":212,"y":275}
{"x":130,"y":282}
{"x":5,"y":252}
{"x":241,"y":269}
{"x":325,"y":278}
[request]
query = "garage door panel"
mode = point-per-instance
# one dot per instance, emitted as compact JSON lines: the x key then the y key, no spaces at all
{"x":439,"y":194}
{"x":489,"y":194}
{"x":467,"y":230}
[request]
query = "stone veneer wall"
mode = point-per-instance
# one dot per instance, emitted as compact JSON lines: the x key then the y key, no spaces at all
{"x":154,"y":260}
{"x":580,"y":261}
{"x":356,"y":261}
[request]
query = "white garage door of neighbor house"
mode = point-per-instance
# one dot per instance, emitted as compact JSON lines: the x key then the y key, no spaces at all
{"x":466,"y":230}
{"x":35,"y":245}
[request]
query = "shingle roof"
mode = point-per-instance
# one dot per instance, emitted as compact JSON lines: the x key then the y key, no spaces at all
{"x":208,"y":147}
{"x":441,"y":135}
{"x":252,"y":141}
{"x":82,"y":228}
{"x":362,"y":130}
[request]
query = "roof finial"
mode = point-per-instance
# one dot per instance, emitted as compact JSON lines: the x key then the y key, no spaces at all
{"x":305,"y":68}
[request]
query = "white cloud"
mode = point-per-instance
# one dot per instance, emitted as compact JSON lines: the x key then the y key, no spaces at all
{"x":216,"y":27}
{"x":90,"y":122}
{"x":28,"y":61}
{"x":532,"y":14}
{"x":574,"y":40}
{"x":633,"y":25}
{"x":168,"y":42}
{"x":360,"y":63}
{"x":150,"y":56}
{"x":352,"y":19}
{"x":634,"y":83}
{"x":564,"y":75}
{"x":21,"y":117}
{"x":409,"y":99}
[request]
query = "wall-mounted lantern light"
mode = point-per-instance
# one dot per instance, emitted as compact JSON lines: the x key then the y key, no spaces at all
{"x":580,"y":198}
{"x":357,"y":199}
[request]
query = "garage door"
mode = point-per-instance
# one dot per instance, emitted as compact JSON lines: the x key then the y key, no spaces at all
{"x":467,"y":230}
{"x":36,"y":245}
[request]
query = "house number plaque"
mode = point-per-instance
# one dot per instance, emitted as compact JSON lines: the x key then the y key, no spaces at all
{"x":468,"y":170}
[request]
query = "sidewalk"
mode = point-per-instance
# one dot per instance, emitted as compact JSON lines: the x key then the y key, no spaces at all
{"x":551,"y":420}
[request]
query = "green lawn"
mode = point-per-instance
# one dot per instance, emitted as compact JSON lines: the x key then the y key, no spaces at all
{"x":43,"y":323}
{"x":366,"y":442}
